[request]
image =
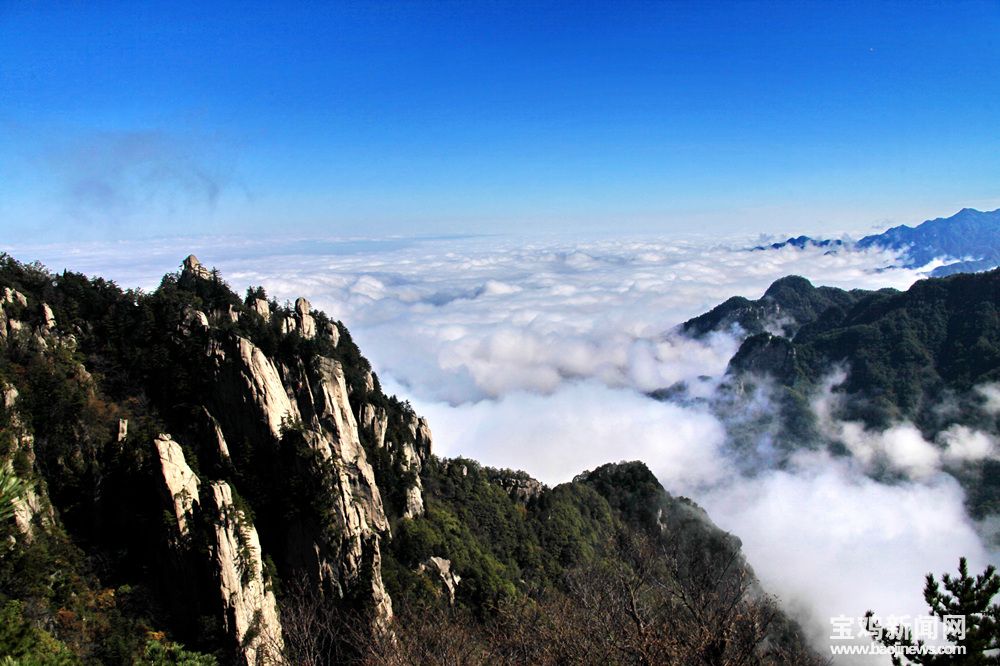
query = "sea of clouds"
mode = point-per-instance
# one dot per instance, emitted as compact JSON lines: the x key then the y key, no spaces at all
{"x":539,"y":354}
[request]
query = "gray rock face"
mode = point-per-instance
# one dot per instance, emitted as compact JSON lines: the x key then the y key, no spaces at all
{"x":255,"y":382}
{"x":250,"y":612}
{"x":219,"y":440}
{"x":180,"y":482}
{"x":414,"y":457}
{"x":248,"y":608}
{"x":414,"y":500}
{"x":521,"y":490}
{"x":440,"y":568}
{"x":375,"y":421}
{"x":411,"y":454}
{"x":359,"y":514}
{"x":357,"y":477}
{"x":311,"y":403}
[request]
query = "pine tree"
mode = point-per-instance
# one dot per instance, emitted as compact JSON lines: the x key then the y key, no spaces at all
{"x":968,"y":597}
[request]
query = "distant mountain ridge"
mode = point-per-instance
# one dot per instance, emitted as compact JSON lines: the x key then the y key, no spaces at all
{"x":971,"y":237}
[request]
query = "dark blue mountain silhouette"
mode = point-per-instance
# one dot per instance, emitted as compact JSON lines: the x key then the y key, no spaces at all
{"x":970,"y":238}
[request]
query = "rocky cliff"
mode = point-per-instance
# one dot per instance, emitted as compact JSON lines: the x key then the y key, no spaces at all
{"x":284,"y":476}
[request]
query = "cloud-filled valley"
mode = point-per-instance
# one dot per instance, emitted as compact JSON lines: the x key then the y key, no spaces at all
{"x":539,"y":355}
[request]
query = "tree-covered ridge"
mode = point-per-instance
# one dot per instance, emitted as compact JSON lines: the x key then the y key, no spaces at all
{"x":904,"y":352}
{"x":788,"y":304}
{"x":608,"y":568}
{"x":927,"y":356}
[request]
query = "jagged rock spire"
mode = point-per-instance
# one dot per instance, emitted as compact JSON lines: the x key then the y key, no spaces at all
{"x":193,"y":267}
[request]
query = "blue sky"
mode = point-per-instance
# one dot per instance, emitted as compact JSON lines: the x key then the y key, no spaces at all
{"x":152,"y":119}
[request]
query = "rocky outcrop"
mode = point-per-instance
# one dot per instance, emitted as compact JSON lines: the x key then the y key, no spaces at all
{"x":410,"y":452}
{"x":12,"y":307}
{"x":519,"y":487}
{"x":261,"y":307}
{"x":32,"y":509}
{"x":227,"y":536}
{"x":194,"y":320}
{"x":194,"y":268}
{"x":48,"y":322}
{"x":214,"y":434}
{"x":440,"y":569}
{"x":253,"y":381}
{"x":228,"y":314}
{"x":415,"y":454}
{"x":358,"y":512}
{"x":304,"y":321}
{"x":301,"y":319}
{"x":332,"y":333}
{"x":14,"y":296}
{"x":179,"y":481}
{"x":374,"y":420}
{"x":258,"y":413}
{"x":309,"y":404}
{"x":333,"y":411}
{"x":250,"y":612}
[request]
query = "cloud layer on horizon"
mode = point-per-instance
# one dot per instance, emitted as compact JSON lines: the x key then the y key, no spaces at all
{"x":461,"y":320}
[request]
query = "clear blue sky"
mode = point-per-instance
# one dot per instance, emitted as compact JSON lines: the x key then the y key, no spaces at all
{"x":131,"y":118}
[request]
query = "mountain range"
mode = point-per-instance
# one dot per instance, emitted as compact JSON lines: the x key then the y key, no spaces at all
{"x":969,"y":240}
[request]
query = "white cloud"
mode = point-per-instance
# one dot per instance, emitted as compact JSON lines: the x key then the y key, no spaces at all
{"x":581,"y":426}
{"x":830,"y":541}
{"x":901,"y":447}
{"x":991,"y":397}
{"x":963,"y":444}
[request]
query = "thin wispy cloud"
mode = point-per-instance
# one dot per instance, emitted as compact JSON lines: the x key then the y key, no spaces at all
{"x":131,"y":181}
